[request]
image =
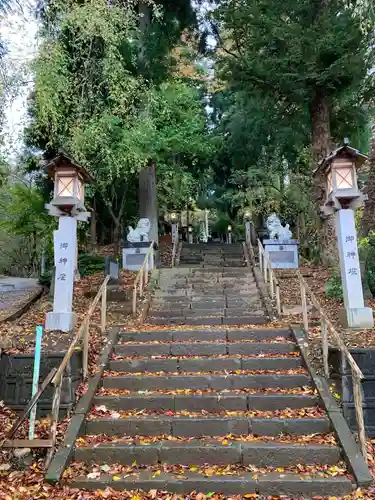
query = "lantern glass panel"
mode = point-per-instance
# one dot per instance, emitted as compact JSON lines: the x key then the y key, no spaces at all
{"x":65,"y":186}
{"x":344,"y":172}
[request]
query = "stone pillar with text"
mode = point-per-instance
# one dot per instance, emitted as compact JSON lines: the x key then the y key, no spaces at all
{"x":356,"y":314}
{"x":65,"y":244}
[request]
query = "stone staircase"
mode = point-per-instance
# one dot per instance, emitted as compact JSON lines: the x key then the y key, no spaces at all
{"x":211,"y":255}
{"x":208,"y":292}
{"x":229,"y":410}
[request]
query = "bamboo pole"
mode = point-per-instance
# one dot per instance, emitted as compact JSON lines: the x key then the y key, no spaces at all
{"x":358,"y":404}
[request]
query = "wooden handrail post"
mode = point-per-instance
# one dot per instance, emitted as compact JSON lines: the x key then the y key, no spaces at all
{"x":358,"y":404}
{"x":265,"y":266}
{"x":135,"y":299}
{"x":141,"y":281}
{"x":146,"y":269}
{"x":325,"y":347}
{"x":278,"y":301}
{"x":272,"y":279}
{"x":104,"y":309}
{"x":54,"y":420}
{"x":260,"y":256}
{"x":86,"y":349}
{"x":304,"y":307}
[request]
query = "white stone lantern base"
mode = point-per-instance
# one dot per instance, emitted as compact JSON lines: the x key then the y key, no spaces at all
{"x":62,"y":321}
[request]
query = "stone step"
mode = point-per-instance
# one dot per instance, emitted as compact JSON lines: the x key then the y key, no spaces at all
{"x":202,"y":320}
{"x":269,"y":484}
{"x":200,"y":452}
{"x":212,"y":381}
{"x":217,"y":401}
{"x":203,"y":348}
{"x":181,"y":365}
{"x":205,"y":426}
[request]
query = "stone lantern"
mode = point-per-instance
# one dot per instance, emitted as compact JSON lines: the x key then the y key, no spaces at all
{"x":340,"y":173}
{"x":229,"y":235}
{"x":342,"y":197}
{"x":69,"y":190}
{"x":68,"y":205}
{"x":248,"y":227}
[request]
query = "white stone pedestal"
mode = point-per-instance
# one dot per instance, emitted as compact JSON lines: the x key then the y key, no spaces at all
{"x":190,"y":238}
{"x":357,"y":315}
{"x":133,"y":256}
{"x":65,"y":245}
{"x":229,"y":238}
{"x":283,"y":254}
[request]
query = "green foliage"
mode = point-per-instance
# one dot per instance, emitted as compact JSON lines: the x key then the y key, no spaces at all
{"x":333,"y":287}
{"x":369,"y":244}
{"x":93,"y":99}
{"x":26,"y":229}
{"x":90,"y":264}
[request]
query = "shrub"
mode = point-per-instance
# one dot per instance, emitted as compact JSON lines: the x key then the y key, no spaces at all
{"x":333,"y":287}
{"x":90,"y":264}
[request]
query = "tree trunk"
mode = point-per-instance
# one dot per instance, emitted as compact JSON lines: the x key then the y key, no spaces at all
{"x":368,"y":219}
{"x":320,"y":145}
{"x":148,"y":204}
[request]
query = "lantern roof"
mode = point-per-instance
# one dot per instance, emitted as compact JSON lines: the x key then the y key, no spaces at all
{"x":63,"y":161}
{"x":344,"y":151}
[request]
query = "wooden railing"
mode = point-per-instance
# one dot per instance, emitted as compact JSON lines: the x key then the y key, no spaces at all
{"x":55,"y":378}
{"x":326,"y":325}
{"x":268,"y":275}
{"x":82,"y":334}
{"x":142,"y":277}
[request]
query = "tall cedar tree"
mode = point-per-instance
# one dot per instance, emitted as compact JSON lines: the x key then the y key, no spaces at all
{"x":305,"y":52}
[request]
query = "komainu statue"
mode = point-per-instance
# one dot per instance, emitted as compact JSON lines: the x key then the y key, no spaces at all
{"x":276,"y":230}
{"x":140,"y":233}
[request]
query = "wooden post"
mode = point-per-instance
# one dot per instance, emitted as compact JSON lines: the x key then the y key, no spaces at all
{"x":146,"y":268}
{"x":265,"y":266}
{"x":54,"y":420}
{"x":260,"y":256}
{"x":135,"y":300}
{"x":141,"y":281}
{"x":304,"y":307}
{"x":86,"y":331}
{"x":325,"y":347}
{"x":358,"y":404}
{"x":272,"y":278}
{"x":278,"y":301}
{"x":104,"y":309}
